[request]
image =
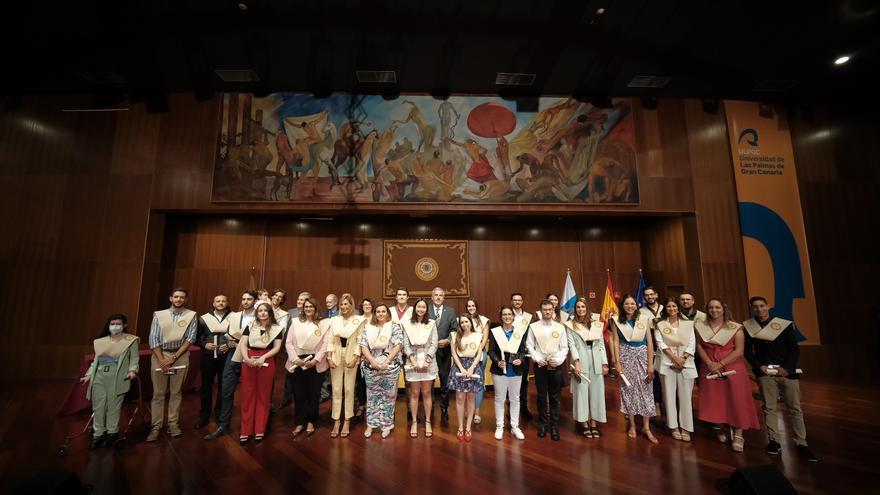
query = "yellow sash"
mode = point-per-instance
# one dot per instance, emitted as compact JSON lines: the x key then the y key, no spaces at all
{"x":637,"y":332}
{"x":721,"y":338}
{"x":418,"y":333}
{"x":173,"y":332}
{"x":512,"y":345}
{"x":770,"y":331}
{"x":471,"y":344}
{"x":548,"y":341}
{"x":106,"y":347}
{"x":260,"y":339}
{"x":308,"y":334}
{"x":676,"y":336}
{"x":379,"y":337}
{"x":215,"y":326}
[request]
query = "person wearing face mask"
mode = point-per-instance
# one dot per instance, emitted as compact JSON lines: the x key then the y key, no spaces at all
{"x":213,"y":327}
{"x":343,"y":354}
{"x":109,"y":378}
{"x":172,"y":331}
{"x":238,"y":322}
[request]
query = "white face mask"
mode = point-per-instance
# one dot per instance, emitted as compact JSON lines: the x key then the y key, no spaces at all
{"x":114,"y":329}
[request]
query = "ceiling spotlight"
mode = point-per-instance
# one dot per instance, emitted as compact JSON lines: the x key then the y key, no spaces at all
{"x":600,"y":11}
{"x":242,"y":6}
{"x":841,"y":60}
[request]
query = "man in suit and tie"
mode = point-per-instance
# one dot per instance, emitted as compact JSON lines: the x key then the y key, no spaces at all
{"x":446,"y":321}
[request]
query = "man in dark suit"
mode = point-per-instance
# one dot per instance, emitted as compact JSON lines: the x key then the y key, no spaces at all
{"x":447,"y":321}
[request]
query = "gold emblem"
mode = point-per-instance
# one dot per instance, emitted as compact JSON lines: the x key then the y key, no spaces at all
{"x":427,"y":269}
{"x":640,"y":326}
{"x":383,"y":338}
{"x":473,"y":345}
{"x":515,"y":335}
{"x":775,"y":326}
{"x":317,"y":332}
{"x":555,"y":334}
{"x":182,"y":323}
{"x":731,"y":325}
{"x":355,"y":321}
{"x":525,"y":320}
{"x":667,"y":331}
{"x":129,"y":337}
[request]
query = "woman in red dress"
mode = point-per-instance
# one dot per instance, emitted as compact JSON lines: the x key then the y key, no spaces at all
{"x":725,"y":389}
{"x":480,"y":169}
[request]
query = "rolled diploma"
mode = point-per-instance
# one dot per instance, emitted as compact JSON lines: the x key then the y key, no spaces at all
{"x":716,"y":375}
{"x":178,"y":367}
{"x":583,"y":376}
{"x":623,"y":377}
{"x":215,"y":346}
{"x":773,"y":370}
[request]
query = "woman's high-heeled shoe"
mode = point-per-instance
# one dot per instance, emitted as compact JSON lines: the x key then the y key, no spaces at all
{"x":429,"y":432}
{"x":414,"y":429}
{"x":335,"y":431}
{"x":345,"y":429}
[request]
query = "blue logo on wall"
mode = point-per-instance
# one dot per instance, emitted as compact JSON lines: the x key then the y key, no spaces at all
{"x":749,"y":132}
{"x":767,"y":227}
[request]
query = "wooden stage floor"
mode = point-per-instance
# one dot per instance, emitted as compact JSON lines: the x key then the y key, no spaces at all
{"x":842,"y":425}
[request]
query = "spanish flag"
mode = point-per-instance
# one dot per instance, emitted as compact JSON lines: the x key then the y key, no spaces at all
{"x":609,"y":307}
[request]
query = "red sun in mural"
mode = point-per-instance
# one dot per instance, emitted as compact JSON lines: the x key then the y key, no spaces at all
{"x":491,"y":120}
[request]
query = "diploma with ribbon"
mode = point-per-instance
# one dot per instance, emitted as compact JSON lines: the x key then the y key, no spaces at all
{"x":623,"y":377}
{"x":215,"y":346}
{"x":716,"y":375}
{"x":581,"y":375}
{"x":465,"y":376}
{"x":773,"y":370}
{"x":173,"y":369}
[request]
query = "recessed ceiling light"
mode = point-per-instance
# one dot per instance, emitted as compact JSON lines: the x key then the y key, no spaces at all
{"x":841,"y":60}
{"x":600,"y":11}
{"x":242,"y":6}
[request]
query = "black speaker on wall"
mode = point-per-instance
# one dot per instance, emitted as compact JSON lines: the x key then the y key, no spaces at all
{"x":757,"y":480}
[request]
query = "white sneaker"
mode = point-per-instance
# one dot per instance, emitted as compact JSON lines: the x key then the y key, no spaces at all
{"x":517,"y":433}
{"x":499,"y":432}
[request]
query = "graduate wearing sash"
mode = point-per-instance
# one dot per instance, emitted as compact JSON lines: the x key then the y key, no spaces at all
{"x":420,"y":368}
{"x":381,"y":347}
{"x":237,"y":321}
{"x":521,"y":316}
{"x":109,"y":377}
{"x":481,"y":325}
{"x":260,"y":342}
{"x":635,"y":352}
{"x":560,"y":315}
{"x":548,"y":345}
{"x":306,"y":347}
{"x":343,"y":353}
{"x":677,"y":345}
{"x":728,"y":400}
{"x":401,"y":311}
{"x":213,"y":327}
{"x":172,"y":331}
{"x":590,"y":362}
{"x":772,"y":350}
{"x":507,"y":349}
{"x":465,"y":377}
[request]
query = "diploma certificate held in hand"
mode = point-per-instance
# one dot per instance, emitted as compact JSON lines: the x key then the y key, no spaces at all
{"x":173,"y":369}
{"x":715,"y":375}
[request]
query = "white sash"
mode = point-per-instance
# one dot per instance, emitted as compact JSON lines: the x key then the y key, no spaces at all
{"x":172,"y":332}
{"x":635,"y":333}
{"x":676,"y":336}
{"x":379,"y":337}
{"x":512,"y":345}
{"x":548,"y":341}
{"x":235,"y":328}
{"x":258,"y":339}
{"x":721,"y":338}
{"x":770,"y":331}
{"x":214,"y":325}
{"x":418,"y":333}
{"x":591,"y":333}
{"x":471,"y":344}
{"x":406,"y":314}
{"x":106,"y":347}
{"x":345,"y":330}
{"x":308,"y":334}
{"x":649,"y":312}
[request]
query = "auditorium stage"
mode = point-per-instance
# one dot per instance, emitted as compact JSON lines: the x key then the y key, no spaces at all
{"x":841,"y":423}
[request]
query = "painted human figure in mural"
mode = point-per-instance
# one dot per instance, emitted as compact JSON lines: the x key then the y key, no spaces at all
{"x":545,"y":175}
{"x":502,"y":151}
{"x":544,"y":120}
{"x":426,"y":131}
{"x":480,"y":170}
{"x":449,"y":118}
{"x":435,"y":179}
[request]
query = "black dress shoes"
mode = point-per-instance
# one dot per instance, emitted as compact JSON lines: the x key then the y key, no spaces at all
{"x":542,"y":431}
{"x":97,"y":442}
{"x":214,"y":435}
{"x":554,"y":433}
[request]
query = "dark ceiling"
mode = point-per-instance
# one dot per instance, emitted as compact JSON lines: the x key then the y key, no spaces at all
{"x":763,"y":50}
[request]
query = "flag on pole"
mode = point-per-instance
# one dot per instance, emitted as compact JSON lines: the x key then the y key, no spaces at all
{"x":569,"y":296}
{"x":640,"y":290}
{"x":609,"y":307}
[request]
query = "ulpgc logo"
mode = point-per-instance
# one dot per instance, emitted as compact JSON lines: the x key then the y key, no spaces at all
{"x":750,"y":136}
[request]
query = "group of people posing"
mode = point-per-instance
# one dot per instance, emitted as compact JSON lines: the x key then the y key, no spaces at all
{"x":658,"y":352}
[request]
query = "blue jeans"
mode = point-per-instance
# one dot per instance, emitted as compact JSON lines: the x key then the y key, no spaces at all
{"x":482,"y":390}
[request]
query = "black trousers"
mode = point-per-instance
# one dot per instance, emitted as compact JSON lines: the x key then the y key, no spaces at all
{"x":230,"y":380}
{"x":289,"y":388}
{"x":360,"y":388}
{"x":306,"y":395}
{"x":212,"y":369}
{"x":444,"y":361}
{"x":549,"y":384}
{"x":524,"y":386}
